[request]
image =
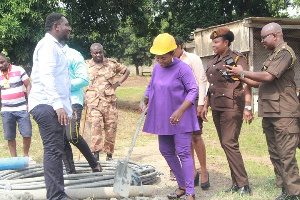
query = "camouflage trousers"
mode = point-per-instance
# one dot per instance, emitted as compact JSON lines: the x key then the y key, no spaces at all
{"x":108,"y":114}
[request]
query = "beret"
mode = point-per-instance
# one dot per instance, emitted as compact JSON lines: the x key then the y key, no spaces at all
{"x":221,"y":31}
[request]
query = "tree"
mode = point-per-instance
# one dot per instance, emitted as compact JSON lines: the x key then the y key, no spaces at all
{"x":184,"y":17}
{"x":126,"y":28}
{"x":99,"y":21}
{"x":136,"y":49}
{"x":22,"y":26}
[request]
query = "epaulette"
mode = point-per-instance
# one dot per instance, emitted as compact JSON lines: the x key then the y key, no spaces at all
{"x":112,"y":60}
{"x":284,"y":47}
{"x":238,"y":53}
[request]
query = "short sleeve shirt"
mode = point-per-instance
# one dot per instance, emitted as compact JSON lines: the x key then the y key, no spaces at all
{"x":13,"y":98}
{"x":101,"y":78}
{"x":278,"y":98}
{"x":225,"y":96}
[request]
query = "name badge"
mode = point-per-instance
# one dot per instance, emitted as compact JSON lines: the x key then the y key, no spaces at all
{"x":6,"y":84}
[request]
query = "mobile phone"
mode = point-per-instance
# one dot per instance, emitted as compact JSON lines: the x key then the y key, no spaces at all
{"x":230,"y":61}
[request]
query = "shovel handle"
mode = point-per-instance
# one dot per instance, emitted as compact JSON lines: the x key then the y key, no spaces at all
{"x":136,"y":134}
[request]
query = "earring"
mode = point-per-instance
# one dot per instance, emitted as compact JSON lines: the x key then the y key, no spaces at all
{"x":172,"y":59}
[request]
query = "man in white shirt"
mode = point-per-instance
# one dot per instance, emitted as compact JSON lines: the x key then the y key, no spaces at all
{"x":198,"y":144}
{"x":50,"y":100}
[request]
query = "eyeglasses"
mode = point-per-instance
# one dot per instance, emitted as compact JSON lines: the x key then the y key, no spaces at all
{"x":264,"y":37}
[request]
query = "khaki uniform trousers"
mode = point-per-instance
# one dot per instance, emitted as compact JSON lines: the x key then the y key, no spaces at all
{"x":108,"y":114}
{"x":228,"y":125}
{"x":282,"y":139}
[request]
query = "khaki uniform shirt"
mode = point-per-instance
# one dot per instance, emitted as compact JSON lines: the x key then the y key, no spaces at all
{"x":225,"y":96}
{"x":101,"y":78}
{"x":278,"y":98}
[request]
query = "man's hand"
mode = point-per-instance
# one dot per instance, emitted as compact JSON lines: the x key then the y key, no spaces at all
{"x":234,"y":71}
{"x":63,"y":117}
{"x":248,"y":116}
{"x":115,"y":85}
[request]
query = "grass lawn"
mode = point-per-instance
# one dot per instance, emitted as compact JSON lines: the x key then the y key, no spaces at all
{"x":252,"y":146}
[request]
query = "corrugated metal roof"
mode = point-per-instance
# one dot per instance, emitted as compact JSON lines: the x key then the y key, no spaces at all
{"x":259,"y":22}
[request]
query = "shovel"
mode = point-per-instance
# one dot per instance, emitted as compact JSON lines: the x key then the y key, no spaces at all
{"x":123,"y":172}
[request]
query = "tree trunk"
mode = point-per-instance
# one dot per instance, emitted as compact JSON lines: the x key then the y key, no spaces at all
{"x":137,"y":73}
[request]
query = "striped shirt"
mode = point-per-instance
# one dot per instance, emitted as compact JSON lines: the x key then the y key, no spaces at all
{"x":13,"y":98}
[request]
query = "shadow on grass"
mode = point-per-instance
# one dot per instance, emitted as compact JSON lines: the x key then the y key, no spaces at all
{"x":129,"y":105}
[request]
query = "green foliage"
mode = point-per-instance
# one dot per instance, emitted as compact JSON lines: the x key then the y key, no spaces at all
{"x":183,"y":17}
{"x":21,"y":26}
{"x":126,"y":28}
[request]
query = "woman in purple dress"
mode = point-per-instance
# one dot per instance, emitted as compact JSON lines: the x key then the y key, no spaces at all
{"x":171,"y":114}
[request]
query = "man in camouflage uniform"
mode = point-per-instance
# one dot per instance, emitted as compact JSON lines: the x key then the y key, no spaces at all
{"x":101,"y":99}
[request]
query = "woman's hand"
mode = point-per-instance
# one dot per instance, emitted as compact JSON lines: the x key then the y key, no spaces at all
{"x":204,"y":113}
{"x":176,"y":117}
{"x":248,"y":116}
{"x":199,"y":110}
{"x":143,"y":105}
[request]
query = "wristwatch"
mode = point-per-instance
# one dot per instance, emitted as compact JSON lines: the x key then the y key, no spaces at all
{"x":243,"y":74}
{"x":119,"y":83}
{"x":248,"y":108}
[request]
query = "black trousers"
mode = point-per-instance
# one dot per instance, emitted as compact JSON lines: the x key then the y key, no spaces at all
{"x":72,"y":136}
{"x":52,"y":135}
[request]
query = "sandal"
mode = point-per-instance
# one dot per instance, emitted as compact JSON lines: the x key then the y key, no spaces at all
{"x":172,"y":176}
{"x":189,"y":195}
{"x":175,"y":195}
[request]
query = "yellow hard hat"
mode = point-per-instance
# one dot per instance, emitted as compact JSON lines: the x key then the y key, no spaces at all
{"x":163,"y":44}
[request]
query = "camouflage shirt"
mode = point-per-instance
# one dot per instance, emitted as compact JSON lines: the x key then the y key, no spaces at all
{"x":101,"y":78}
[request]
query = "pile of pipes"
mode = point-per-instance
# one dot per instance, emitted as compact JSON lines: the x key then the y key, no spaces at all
{"x":32,"y":177}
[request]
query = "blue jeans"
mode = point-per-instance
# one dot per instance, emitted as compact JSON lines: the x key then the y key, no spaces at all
{"x":52,"y":135}
{"x":10,"y":119}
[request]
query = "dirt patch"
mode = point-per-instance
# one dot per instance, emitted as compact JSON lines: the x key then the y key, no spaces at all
{"x":134,"y":81}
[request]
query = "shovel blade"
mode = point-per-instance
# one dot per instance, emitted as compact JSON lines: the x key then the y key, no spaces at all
{"x":122,"y":179}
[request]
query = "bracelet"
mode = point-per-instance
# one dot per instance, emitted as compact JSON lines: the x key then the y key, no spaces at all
{"x":243,"y":74}
{"x":248,"y":108}
{"x":119,"y":83}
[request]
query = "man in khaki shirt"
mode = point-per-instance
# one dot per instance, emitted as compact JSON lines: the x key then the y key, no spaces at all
{"x":278,"y":105}
{"x":102,"y":100}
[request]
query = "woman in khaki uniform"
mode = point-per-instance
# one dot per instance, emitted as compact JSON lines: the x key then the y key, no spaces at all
{"x":230,"y":102}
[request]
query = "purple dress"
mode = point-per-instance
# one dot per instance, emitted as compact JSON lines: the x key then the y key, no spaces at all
{"x":167,"y":90}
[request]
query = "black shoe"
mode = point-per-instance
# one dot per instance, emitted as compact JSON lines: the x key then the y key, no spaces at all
{"x":108,"y":157}
{"x":175,"y":195}
{"x":282,"y":196}
{"x":205,"y":185}
{"x":196,"y":180}
{"x":96,"y":155}
{"x":232,"y":189}
{"x":97,"y":170}
{"x":244,"y":190}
